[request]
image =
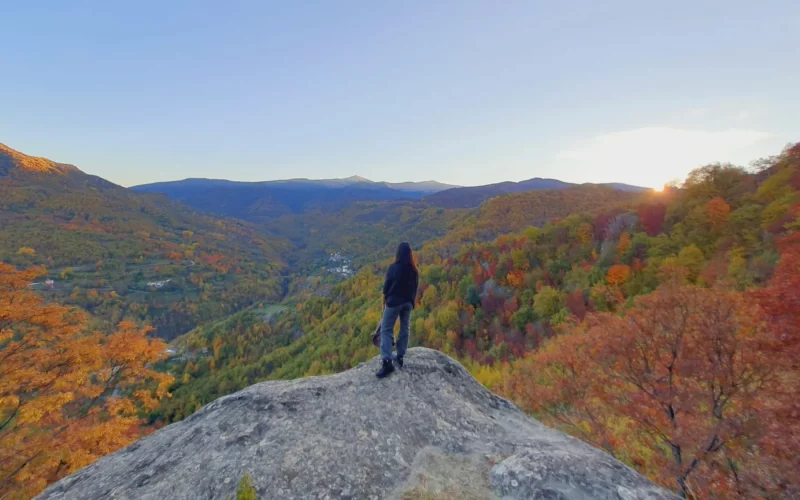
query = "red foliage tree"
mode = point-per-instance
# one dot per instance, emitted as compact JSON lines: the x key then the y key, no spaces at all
{"x":684,"y":374}
{"x":576,"y":304}
{"x":780,"y":303}
{"x":600,"y":224}
{"x":490,"y":303}
{"x":651,"y":217}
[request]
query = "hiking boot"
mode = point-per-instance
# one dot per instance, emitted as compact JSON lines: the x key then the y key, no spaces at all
{"x":399,"y":361}
{"x":386,"y":368}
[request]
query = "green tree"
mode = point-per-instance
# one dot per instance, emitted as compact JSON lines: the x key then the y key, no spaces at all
{"x":533,"y":233}
{"x":775,"y":210}
{"x":473,"y":296}
{"x":246,"y":490}
{"x":691,"y":258}
{"x":464,"y":285}
{"x":547,"y":302}
{"x":522,"y":317}
{"x":576,"y":279}
{"x":737,"y":269}
{"x":520,"y":259}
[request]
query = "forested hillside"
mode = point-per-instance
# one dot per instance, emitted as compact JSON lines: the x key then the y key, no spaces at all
{"x":127,"y":256}
{"x":661,"y":327}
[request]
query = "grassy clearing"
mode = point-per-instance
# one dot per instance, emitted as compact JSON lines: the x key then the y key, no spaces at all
{"x":268,"y":310}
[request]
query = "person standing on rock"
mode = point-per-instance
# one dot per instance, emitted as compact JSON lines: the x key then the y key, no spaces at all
{"x":399,"y":294}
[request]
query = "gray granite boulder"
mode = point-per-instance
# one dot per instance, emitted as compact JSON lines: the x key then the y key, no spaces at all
{"x":428,"y":431}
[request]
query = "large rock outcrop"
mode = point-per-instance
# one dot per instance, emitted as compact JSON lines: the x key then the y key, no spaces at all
{"x":429,"y":431}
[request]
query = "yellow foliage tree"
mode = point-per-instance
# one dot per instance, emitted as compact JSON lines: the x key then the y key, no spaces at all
{"x":671,"y":271}
{"x":585,"y":233}
{"x":67,"y":396}
{"x":429,"y":297}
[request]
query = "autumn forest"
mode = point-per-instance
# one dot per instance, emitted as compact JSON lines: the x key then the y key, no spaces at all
{"x":662,"y":327}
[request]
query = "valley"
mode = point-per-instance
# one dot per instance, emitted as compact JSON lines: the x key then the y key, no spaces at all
{"x":522,"y":289}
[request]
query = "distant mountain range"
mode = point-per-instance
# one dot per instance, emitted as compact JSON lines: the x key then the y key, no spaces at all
{"x":256,"y":200}
{"x":355,"y":181}
{"x":252,"y":200}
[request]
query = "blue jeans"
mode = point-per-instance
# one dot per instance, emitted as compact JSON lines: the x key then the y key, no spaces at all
{"x":390,"y":315}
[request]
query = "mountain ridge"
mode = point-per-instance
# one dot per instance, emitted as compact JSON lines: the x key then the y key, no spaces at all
{"x":255,"y":200}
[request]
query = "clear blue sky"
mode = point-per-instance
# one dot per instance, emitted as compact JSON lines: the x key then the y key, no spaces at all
{"x":466,"y":92}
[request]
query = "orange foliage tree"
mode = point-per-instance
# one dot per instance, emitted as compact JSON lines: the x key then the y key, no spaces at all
{"x":674,"y":386}
{"x":67,"y":396}
{"x":515,"y":279}
{"x":718,"y":211}
{"x":624,"y":243}
{"x":618,"y":275}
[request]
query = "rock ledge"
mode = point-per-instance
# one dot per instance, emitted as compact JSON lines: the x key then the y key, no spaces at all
{"x":430,"y":429}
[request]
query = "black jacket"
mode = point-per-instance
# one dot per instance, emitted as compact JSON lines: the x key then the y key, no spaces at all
{"x":400,"y":286}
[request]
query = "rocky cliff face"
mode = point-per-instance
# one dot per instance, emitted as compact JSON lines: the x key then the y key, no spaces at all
{"x":429,"y":431}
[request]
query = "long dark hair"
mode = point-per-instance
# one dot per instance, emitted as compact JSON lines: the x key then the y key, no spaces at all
{"x":405,"y":257}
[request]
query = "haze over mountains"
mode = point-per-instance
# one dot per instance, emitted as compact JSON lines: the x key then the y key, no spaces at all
{"x":254,"y":200}
{"x":298,"y":183}
{"x":249,"y":200}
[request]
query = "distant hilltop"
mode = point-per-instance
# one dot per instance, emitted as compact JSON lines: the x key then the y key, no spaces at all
{"x":12,"y":160}
{"x":429,"y":431}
